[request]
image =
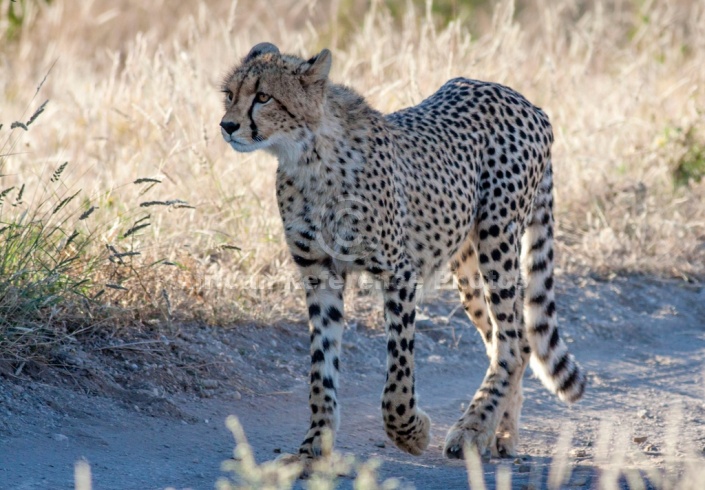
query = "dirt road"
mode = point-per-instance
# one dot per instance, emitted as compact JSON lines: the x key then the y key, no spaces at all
{"x":142,"y":424}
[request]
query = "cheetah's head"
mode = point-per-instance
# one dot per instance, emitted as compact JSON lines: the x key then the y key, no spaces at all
{"x":272,"y":99}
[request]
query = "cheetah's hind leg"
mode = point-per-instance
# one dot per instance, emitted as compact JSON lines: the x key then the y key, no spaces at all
{"x":466,"y":270}
{"x":479,"y":424}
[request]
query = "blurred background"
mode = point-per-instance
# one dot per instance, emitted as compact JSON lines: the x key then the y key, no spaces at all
{"x":155,"y":215}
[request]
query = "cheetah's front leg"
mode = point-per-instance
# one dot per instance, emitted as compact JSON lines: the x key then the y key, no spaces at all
{"x":324,"y":297}
{"x":405,"y":423}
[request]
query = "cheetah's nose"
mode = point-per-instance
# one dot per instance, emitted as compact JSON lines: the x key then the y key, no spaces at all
{"x":229,"y":127}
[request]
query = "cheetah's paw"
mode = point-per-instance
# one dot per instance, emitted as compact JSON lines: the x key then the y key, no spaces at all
{"x":504,"y":445}
{"x":304,"y":460}
{"x":414,"y":438}
{"x":464,"y":434}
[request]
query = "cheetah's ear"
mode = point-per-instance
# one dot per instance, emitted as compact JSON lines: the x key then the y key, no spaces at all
{"x":261,"y":49}
{"x":318,"y":67}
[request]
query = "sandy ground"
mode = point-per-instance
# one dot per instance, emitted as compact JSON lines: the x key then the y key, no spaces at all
{"x":148,"y":411}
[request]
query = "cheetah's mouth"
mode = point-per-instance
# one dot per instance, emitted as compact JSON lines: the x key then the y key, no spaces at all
{"x":242,"y":146}
{"x":248,"y":147}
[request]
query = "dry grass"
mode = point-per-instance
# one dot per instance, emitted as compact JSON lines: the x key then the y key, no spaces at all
{"x":133,"y":93}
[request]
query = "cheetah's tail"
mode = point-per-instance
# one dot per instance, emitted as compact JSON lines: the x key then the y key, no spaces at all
{"x":550,"y":359}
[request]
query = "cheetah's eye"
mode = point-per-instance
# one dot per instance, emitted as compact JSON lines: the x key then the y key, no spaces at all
{"x":229,"y":96}
{"x":262,"y":98}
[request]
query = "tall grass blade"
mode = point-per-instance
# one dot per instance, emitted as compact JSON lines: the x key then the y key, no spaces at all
{"x":64,"y":202}
{"x":37,"y":113}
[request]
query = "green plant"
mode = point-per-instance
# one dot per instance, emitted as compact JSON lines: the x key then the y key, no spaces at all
{"x":689,"y":161}
{"x":45,"y":259}
{"x":16,"y":14}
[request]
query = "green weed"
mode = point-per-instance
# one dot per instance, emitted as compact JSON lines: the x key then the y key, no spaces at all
{"x":689,"y":162}
{"x":15,"y":13}
{"x":63,"y":268}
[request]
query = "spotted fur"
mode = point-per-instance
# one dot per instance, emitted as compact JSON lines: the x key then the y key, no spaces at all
{"x":463,"y":178}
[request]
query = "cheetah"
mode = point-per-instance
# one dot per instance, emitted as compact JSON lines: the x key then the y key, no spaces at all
{"x":463,"y":178}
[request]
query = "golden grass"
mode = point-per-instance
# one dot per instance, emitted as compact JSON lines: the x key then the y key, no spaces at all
{"x":133,"y":93}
